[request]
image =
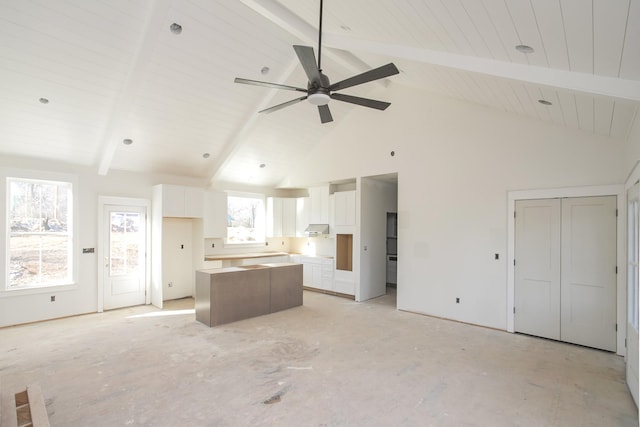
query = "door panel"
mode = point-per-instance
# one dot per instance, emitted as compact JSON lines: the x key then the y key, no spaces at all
{"x":537,"y":270}
{"x":588,"y":291}
{"x":125,"y":251}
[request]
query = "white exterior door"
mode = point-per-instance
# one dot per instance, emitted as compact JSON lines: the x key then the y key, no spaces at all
{"x":588,"y":291}
{"x":633,"y":294}
{"x":537,"y":270}
{"x":565,"y":271}
{"x":124,"y":264}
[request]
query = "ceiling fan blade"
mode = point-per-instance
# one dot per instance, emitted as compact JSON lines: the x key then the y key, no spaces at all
{"x":267,"y":84}
{"x":325,"y":113}
{"x":365,"y":102}
{"x":308,"y":61}
{"x":280,"y":106}
{"x":377,"y":73}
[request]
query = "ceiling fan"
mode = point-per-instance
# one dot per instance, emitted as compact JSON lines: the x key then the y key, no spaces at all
{"x":319,"y":90}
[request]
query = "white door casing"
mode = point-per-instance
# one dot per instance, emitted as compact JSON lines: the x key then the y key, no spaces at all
{"x":123,"y":259}
{"x":537,"y":273}
{"x":633,"y":292}
{"x":588,"y":290}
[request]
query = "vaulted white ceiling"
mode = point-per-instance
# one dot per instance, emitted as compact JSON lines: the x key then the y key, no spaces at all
{"x":111,"y":70}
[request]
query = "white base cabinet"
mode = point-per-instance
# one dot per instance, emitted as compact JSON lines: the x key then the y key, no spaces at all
{"x":317,"y":272}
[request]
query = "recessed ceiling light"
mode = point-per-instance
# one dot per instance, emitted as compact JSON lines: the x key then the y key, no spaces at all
{"x":523,"y":48}
{"x":127,"y":141}
{"x":44,"y":100}
{"x":264,"y":70}
{"x":544,"y":102}
{"x":262,"y":165}
{"x":175,"y":28}
{"x":206,"y":155}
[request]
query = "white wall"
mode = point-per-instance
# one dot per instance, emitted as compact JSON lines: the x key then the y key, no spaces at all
{"x":83,"y":298}
{"x":455,"y":163}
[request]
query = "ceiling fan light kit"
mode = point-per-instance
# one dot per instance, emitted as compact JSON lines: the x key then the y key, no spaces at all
{"x":319,"y":89}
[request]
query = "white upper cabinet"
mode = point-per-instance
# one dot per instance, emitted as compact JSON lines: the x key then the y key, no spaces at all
{"x":345,"y":208}
{"x":281,"y":217}
{"x":319,"y":198}
{"x":289,"y":217}
{"x":303,"y":212}
{"x":215,"y":214}
{"x":182,"y":202}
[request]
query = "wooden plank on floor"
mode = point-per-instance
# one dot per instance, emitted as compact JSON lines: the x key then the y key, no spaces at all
{"x":8,"y":416}
{"x":39,"y":417}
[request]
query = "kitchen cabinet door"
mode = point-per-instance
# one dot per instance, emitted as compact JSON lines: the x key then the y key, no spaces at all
{"x":288,"y":227}
{"x":303,"y":210}
{"x":345,"y":208}
{"x":215,"y":214}
{"x":172,"y":201}
{"x":193,"y":202}
{"x":274,"y":217}
{"x":182,"y":202}
{"x":319,"y":205}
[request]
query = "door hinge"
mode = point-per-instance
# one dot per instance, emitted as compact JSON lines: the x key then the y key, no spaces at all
{"x":625,"y":343}
{"x":514,"y":214}
{"x":514,"y":310}
{"x":616,"y":327}
{"x":514,"y":262}
{"x":616,"y":212}
{"x":616,"y":269}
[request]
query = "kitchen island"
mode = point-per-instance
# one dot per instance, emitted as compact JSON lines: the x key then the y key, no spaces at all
{"x":225,"y":295}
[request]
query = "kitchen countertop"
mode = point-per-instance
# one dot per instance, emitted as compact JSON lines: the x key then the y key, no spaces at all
{"x":227,"y":257}
{"x":246,"y":267}
{"x":224,"y":257}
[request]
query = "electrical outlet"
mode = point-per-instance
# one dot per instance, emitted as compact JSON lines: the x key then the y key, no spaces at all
{"x":213,"y":245}
{"x":496,"y":256}
{"x":53,"y":298}
{"x":457,"y":300}
{"x":171,"y":284}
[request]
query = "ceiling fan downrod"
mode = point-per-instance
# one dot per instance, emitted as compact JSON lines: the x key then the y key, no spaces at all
{"x":320,"y":38}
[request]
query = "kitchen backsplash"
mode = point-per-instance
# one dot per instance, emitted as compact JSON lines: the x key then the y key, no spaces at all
{"x":320,"y":245}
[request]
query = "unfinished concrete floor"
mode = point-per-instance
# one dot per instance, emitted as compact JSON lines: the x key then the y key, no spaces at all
{"x":331,"y":362}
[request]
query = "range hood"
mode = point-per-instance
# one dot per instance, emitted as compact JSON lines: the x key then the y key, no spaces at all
{"x":316,"y":229}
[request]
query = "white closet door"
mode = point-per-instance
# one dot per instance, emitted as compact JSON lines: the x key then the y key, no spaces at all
{"x":537,"y":269}
{"x":588,"y":296}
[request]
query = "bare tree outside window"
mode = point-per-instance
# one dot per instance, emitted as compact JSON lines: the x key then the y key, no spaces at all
{"x":39,"y":230}
{"x":245,"y":219}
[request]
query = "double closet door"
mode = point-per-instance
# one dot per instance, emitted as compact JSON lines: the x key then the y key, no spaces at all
{"x":565,"y":270}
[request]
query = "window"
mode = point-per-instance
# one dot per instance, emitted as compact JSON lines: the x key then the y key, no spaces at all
{"x":39,"y":230}
{"x":245,"y":219}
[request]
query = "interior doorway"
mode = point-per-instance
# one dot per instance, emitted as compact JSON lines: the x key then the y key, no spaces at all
{"x":378,"y":197}
{"x":565,"y":269}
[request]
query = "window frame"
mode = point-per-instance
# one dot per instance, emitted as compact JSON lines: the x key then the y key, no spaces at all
{"x":23,"y":174}
{"x":257,"y":243}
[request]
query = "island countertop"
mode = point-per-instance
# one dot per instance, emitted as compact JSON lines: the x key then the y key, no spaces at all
{"x":228,"y":257}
